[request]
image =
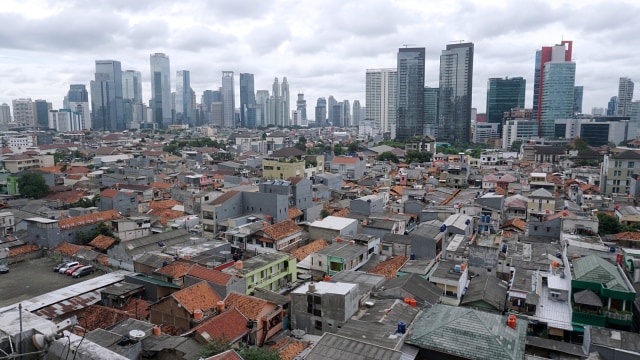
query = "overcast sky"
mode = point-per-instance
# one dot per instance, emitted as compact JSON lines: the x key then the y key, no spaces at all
{"x":322,"y":47}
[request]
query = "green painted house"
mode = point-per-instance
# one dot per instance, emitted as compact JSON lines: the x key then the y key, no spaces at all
{"x":601,"y":294}
{"x":274,"y":271}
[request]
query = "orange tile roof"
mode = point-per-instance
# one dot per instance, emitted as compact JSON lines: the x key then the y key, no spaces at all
{"x":288,"y":348}
{"x":210,"y":275}
{"x":102,"y":242}
{"x":138,"y":307}
{"x":67,"y":249}
{"x":231,"y":325}
{"x":341,"y":212}
{"x":302,"y":252}
{"x":101,"y":317}
{"x":175,"y":270}
{"x":166,"y":215}
{"x":24,"y":249}
{"x":249,"y":306}
{"x":88,"y":219}
{"x":199,"y":296}
{"x":390,"y":267}
{"x":227,"y":355}
{"x":160,"y":185}
{"x":344,"y":160}
{"x":282,"y":229}
{"x":164,"y":204}
{"x":628,"y":235}
{"x":109,"y":193}
{"x":515,"y":222}
{"x":397,"y":189}
{"x":294,"y":212}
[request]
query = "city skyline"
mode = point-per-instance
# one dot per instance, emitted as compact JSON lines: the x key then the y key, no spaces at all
{"x":310,"y":52}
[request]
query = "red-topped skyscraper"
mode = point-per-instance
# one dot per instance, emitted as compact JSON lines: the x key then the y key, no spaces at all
{"x":560,"y":52}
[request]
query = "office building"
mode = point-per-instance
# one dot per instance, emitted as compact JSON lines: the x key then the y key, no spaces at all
{"x":504,"y":95}
{"x":612,"y":106}
{"x":557,"y":94}
{"x":160,"y":103}
{"x":247,"y":101}
{"x":518,"y":130}
{"x":410,"y":93}
{"x":625,"y":97}
{"x":578,"y":92}
{"x":616,"y":171}
{"x":228,"y":100}
{"x":431,"y":96}
{"x":64,"y":120}
{"x":262,"y":99}
{"x":23,"y":112}
{"x":132,"y":86}
{"x":106,"y":97}
{"x":77,"y":100}
{"x":41,"y":113}
{"x":346,"y":116}
{"x":596,"y":131}
{"x":337,"y":114}
{"x":183,"y":103}
{"x":5,"y":114}
{"x":331,"y":102}
{"x":456,"y":82}
{"x":557,"y":53}
{"x":301,"y":108}
{"x":355,"y":115}
{"x":321,"y":112}
{"x":483,"y":132}
{"x":286,"y":102}
{"x":381,"y":97}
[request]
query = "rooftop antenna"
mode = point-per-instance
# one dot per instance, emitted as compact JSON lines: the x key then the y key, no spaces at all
{"x":407,"y":45}
{"x":457,"y":41}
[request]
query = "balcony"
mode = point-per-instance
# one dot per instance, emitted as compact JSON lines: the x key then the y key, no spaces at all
{"x":588,"y":319}
{"x":618,"y":317}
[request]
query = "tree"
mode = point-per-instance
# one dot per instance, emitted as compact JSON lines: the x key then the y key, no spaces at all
{"x":33,"y":185}
{"x":386,"y":156}
{"x":338,"y":150}
{"x":354,"y":147}
{"x":415,"y":156}
{"x":608,"y":224}
{"x":101,"y":229}
{"x":324,"y":213}
{"x":515,"y":146}
{"x":214,"y":347}
{"x":580,"y":144}
{"x":256,"y":353}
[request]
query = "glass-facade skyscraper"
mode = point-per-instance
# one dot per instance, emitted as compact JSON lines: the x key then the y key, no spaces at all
{"x":431,"y":97}
{"x":160,"y":103}
{"x":558,"y":53}
{"x":410,"y":93}
{"x":247,"y":101}
{"x":321,"y":111}
{"x":77,"y":100}
{"x":504,"y":95}
{"x":184,"y":111}
{"x":456,"y":82}
{"x":578,"y":92}
{"x":106,"y":96}
{"x":228,"y":100}
{"x":557,"y":95}
{"x":41,"y":112}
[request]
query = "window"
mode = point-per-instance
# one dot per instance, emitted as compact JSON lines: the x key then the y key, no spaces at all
{"x":630,"y":165}
{"x":617,"y":172}
{"x":318,"y":325}
{"x":617,"y":164}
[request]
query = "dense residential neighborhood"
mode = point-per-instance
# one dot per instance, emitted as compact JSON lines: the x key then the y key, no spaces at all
{"x":499,"y":256}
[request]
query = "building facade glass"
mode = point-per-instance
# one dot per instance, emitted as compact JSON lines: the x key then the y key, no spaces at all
{"x":410,"y":93}
{"x":456,"y":82}
{"x":160,"y":103}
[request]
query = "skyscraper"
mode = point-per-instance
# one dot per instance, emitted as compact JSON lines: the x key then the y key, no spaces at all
{"x":331,"y":102}
{"x":160,"y":103}
{"x":301,"y":107}
{"x":5,"y":114}
{"x":504,"y":95}
{"x":262,"y":98}
{"x":41,"y":110}
{"x":355,"y":117}
{"x":578,"y":91}
{"x":557,"y":94}
{"x":184,"y":112}
{"x":612,"y":105}
{"x":380,"y":99}
{"x":106,"y":96}
{"x":625,"y":97}
{"x":431,"y":96}
{"x":77,"y":100}
{"x":346,"y":113}
{"x":321,"y":112}
{"x":286,"y":102}
{"x":561,"y":52}
{"x":456,"y":82}
{"x":410,"y":103}
{"x":337,"y":114}
{"x":132,"y":86}
{"x":23,"y":112}
{"x":247,"y":101}
{"x":228,"y":100}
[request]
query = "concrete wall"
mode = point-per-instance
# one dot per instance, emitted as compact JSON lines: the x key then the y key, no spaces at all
{"x":336,"y":310}
{"x":277,"y":206}
{"x":124,"y":203}
{"x":367,"y":206}
{"x":303,"y":198}
{"x":548,"y":229}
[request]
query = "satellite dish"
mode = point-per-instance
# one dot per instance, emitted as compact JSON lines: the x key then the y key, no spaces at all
{"x":136,"y":334}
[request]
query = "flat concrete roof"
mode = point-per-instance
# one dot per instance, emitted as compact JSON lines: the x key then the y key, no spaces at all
{"x":333,"y":223}
{"x":324,"y":287}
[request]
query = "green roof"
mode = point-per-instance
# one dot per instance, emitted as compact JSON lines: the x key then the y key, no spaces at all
{"x":469,"y":333}
{"x":595,"y":269}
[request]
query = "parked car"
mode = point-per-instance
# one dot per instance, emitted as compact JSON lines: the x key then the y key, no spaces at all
{"x":4,"y":269}
{"x":83,"y":271}
{"x":63,"y":269}
{"x":72,"y":269}
{"x":60,"y":265}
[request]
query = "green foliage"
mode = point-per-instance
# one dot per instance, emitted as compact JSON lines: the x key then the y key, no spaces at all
{"x":101,"y":229}
{"x":388,"y":156}
{"x":84,"y":202}
{"x":415,"y":156}
{"x":256,"y":353}
{"x":354,"y":147}
{"x":57,"y":157}
{"x":175,"y":146}
{"x":324,"y":213}
{"x":215,"y":347}
{"x":33,"y":185}
{"x":515,"y":146}
{"x":338,"y":150}
{"x":221,"y":344}
{"x":580,"y":144}
{"x":609,"y":225}
{"x":63,"y":168}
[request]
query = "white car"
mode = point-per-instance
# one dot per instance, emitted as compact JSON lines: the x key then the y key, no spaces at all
{"x":67,"y":266}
